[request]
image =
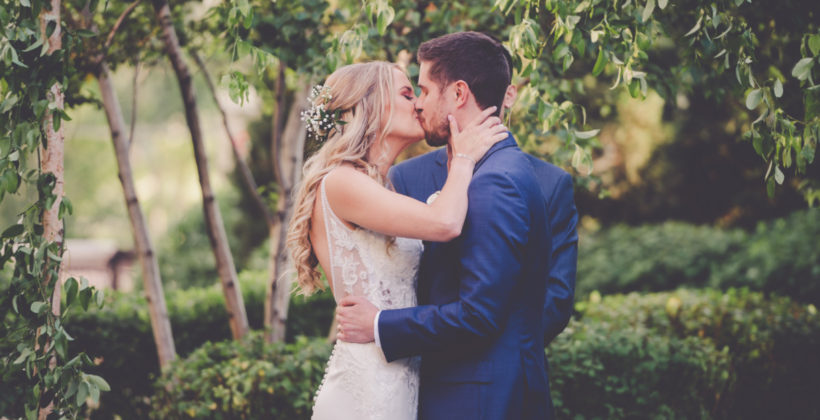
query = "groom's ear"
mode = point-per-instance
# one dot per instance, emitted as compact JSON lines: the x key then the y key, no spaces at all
{"x":461,"y":93}
{"x":509,"y":96}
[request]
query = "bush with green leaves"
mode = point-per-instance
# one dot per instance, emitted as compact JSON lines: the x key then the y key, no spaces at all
{"x":119,"y":336}
{"x":250,"y":379}
{"x":623,"y":259}
{"x":688,"y":354}
{"x":781,"y":256}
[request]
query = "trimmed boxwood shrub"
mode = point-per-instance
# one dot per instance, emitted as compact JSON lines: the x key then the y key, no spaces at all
{"x":781,"y":257}
{"x":119,"y":336}
{"x":689,"y":354}
{"x":243,"y":380}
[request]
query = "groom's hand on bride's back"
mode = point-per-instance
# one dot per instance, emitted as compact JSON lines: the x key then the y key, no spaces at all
{"x":356,"y":316}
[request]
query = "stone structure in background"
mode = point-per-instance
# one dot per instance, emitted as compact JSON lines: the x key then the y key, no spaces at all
{"x":101,"y":262}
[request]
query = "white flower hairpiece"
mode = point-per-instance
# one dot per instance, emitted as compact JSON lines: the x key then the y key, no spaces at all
{"x":319,"y":120}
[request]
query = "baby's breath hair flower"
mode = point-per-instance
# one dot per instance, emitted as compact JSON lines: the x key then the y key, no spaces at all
{"x":319,"y":120}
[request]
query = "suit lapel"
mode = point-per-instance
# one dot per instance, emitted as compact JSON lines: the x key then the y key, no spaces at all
{"x":439,"y":172}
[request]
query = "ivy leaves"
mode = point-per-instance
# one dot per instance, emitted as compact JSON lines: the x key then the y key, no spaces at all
{"x":618,"y":38}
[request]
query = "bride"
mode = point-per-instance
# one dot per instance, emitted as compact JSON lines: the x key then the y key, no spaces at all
{"x":366,"y":237}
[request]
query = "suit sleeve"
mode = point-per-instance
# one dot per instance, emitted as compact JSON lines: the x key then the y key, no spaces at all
{"x":396,"y":178}
{"x":561,"y":279}
{"x":492,"y":252}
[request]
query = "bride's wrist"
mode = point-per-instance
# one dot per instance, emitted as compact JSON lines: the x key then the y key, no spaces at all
{"x":466,"y":157}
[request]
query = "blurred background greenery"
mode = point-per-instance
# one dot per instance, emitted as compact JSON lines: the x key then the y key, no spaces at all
{"x":696,"y":291}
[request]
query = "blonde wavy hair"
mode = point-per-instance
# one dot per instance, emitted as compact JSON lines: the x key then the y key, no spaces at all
{"x":363,"y":92}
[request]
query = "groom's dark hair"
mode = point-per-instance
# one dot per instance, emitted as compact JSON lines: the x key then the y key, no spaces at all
{"x":478,"y":59}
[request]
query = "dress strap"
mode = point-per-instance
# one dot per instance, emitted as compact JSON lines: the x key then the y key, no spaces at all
{"x":337,"y":234}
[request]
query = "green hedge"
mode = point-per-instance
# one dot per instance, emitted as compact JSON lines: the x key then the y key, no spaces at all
{"x":243,"y":380}
{"x":689,"y":354}
{"x":120,"y":337}
{"x":780,"y":256}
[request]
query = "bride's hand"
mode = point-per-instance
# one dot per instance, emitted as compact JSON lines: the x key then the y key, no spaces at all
{"x":478,"y":135}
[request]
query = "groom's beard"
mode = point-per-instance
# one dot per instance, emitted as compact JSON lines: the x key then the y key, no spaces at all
{"x":436,"y":131}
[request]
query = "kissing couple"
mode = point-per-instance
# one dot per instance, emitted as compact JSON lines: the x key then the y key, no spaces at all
{"x":451,"y":270}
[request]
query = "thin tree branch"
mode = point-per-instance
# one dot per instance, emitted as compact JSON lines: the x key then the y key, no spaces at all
{"x":244,"y":171}
{"x":133,"y":105}
{"x":278,"y":121}
{"x":117,"y":25}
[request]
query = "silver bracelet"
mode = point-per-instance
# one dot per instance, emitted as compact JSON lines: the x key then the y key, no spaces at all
{"x":466,"y":156}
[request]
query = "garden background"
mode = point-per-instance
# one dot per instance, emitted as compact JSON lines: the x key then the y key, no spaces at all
{"x":690,"y":128}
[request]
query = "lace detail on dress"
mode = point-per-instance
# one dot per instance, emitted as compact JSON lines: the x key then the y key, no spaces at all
{"x":358,"y":382}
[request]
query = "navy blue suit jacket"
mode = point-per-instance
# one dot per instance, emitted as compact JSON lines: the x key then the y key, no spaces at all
{"x":489,"y":299}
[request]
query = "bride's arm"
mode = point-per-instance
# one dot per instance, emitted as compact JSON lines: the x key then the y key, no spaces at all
{"x":358,"y":199}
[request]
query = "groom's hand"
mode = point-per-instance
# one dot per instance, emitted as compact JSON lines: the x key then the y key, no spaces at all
{"x":356,"y":315}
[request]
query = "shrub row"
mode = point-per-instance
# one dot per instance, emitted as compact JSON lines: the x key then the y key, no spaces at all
{"x":778,"y":257}
{"x":243,"y":380}
{"x":120,"y":339}
{"x":689,"y":354}
{"x":699,"y":354}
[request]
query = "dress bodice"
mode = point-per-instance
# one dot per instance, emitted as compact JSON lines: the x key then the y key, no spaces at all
{"x":359,"y":383}
{"x":366,"y":263}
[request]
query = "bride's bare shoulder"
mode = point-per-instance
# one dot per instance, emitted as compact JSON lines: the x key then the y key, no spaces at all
{"x":346,"y":176}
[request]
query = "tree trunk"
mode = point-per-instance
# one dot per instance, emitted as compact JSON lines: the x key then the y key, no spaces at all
{"x":51,"y":161}
{"x":216,"y":229}
{"x":160,"y":324}
{"x":289,"y":153}
{"x":245,"y":174}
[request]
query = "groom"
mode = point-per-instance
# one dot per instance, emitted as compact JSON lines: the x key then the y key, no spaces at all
{"x":489,"y":299}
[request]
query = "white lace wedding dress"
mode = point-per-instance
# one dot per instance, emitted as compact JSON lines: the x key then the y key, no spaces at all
{"x":359,"y":383}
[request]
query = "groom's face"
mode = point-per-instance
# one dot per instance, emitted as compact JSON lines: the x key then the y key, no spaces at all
{"x":432,"y":107}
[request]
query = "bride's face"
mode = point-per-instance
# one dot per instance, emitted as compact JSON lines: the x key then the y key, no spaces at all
{"x":405,"y":124}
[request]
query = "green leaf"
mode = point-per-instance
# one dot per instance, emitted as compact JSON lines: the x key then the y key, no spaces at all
{"x":568,"y":59}
{"x":802,"y":69}
{"x":38,"y":307}
{"x":99,"y":382}
{"x":82,"y":393}
{"x":647,"y":10}
{"x":94,"y":393}
{"x":634,"y":88}
{"x":753,"y":98}
{"x":13,"y":231}
{"x":662,"y":4}
{"x":85,"y":33}
{"x":808,"y":153}
{"x":14,"y":303}
{"x":600,"y":63}
{"x":70,"y":291}
{"x":587,"y":134}
{"x":778,"y":88}
{"x":386,"y":16}
{"x":695,"y":28}
{"x":778,"y":175}
{"x":25,"y":3}
{"x":814,"y":44}
{"x":85,"y":297}
{"x":99,"y":296}
{"x":577,"y":157}
{"x":24,"y":354}
{"x":8,"y":103}
{"x":53,"y":256}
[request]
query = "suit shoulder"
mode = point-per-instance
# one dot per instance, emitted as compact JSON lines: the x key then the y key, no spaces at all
{"x":545,"y":168}
{"x":420,"y":161}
